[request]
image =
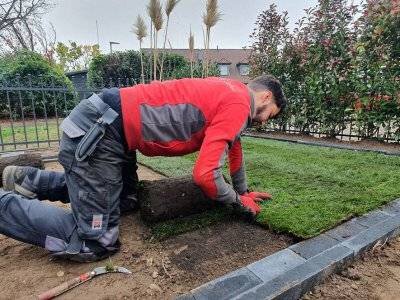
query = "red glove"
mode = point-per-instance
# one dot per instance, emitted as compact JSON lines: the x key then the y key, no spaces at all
{"x":249,"y":201}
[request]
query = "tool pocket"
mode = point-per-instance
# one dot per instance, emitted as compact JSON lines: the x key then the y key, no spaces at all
{"x":87,"y":125}
{"x":90,"y":140}
{"x":71,"y":129}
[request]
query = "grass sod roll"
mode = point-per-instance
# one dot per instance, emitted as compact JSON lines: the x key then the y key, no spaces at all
{"x":313,"y":188}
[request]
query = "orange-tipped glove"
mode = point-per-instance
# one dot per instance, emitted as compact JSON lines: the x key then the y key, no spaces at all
{"x":249,"y":201}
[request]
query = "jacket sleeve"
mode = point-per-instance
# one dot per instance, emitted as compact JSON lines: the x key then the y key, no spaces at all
{"x":237,"y":168}
{"x":221,"y":133}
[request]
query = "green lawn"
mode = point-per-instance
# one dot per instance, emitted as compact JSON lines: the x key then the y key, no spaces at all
{"x":313,"y":188}
{"x":41,"y":131}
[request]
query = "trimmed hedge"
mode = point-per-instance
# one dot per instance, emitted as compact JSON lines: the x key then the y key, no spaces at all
{"x":31,"y":70}
{"x":124,"y":69}
{"x":341,"y":63}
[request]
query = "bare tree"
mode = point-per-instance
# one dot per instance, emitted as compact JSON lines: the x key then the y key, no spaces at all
{"x":13,"y":11}
{"x":47,"y":40}
{"x":20,"y":22}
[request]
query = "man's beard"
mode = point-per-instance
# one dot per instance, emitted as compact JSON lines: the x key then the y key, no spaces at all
{"x":259,"y":110}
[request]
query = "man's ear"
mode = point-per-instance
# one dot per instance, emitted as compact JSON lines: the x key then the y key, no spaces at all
{"x":267,"y":96}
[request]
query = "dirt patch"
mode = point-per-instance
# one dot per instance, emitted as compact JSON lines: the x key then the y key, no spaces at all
{"x":391,"y":148}
{"x":222,"y":248}
{"x":143,"y":172}
{"x":375,"y":276}
{"x":161,"y":270}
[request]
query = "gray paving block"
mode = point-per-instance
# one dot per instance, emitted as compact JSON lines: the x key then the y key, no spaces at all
{"x":314,"y":246}
{"x":295,"y":282}
{"x":372,"y":218}
{"x":379,"y":232}
{"x":346,"y":230}
{"x":393,"y":208}
{"x":228,"y":286}
{"x":188,"y":296}
{"x":275,"y":264}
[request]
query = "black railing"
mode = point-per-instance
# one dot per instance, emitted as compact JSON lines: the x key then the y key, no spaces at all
{"x":31,"y":113}
{"x":30,"y":116}
{"x":348,"y":130}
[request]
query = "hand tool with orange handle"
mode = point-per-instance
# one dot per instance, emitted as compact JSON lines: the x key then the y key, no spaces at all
{"x":66,"y":286}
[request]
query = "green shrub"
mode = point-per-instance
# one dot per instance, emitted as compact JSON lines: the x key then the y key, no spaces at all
{"x":341,"y":63}
{"x":376,"y":71}
{"x":124,"y":69}
{"x":30,"y":70}
{"x":115,"y":69}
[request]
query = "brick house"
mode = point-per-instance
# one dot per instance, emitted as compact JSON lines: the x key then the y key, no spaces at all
{"x":232,"y":63}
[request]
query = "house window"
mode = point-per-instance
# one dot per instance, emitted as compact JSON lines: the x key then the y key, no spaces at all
{"x":223,"y":69}
{"x":244,"y":69}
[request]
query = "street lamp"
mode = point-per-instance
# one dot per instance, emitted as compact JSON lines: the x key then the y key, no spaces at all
{"x":113,"y":43}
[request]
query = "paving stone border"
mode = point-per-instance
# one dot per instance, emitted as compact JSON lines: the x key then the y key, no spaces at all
{"x":310,"y":143}
{"x":290,"y":273}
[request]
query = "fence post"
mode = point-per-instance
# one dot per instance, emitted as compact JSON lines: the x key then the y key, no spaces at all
{"x":22,"y":110}
{"x":33,"y":109}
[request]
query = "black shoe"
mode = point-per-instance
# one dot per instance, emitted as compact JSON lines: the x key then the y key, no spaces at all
{"x":96,"y":252}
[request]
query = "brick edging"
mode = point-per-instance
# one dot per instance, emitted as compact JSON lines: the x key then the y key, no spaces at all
{"x":290,"y":273}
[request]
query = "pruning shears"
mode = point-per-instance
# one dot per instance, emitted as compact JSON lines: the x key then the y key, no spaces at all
{"x":66,"y":286}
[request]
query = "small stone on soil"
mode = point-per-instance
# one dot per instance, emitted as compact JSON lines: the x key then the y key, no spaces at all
{"x":155,"y":287}
{"x":351,"y":274}
{"x":60,"y":274}
{"x":149,"y":262}
{"x":180,"y":250}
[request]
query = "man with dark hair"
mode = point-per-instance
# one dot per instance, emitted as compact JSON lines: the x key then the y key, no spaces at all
{"x":270,"y":83}
{"x":97,"y":151}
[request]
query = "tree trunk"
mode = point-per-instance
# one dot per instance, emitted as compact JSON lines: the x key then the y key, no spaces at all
{"x":20,"y":159}
{"x":171,"y":198}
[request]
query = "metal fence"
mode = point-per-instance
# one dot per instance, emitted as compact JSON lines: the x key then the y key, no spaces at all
{"x":30,"y":117}
{"x":349,"y":130}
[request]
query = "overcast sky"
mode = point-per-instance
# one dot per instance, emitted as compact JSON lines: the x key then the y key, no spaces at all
{"x":76,"y":20}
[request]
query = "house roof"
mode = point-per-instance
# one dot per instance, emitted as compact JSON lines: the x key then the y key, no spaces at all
{"x":232,"y":57}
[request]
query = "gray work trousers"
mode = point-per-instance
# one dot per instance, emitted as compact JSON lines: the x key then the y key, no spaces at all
{"x":97,"y":189}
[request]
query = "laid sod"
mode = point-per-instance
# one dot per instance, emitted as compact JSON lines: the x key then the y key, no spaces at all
{"x":313,"y":188}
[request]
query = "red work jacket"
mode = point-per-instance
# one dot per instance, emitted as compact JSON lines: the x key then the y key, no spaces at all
{"x":178,"y":117}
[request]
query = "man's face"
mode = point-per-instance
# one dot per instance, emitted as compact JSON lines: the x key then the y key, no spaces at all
{"x":267,"y":108}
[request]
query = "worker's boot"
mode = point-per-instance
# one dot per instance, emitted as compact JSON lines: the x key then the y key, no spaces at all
{"x":22,"y":180}
{"x":33,"y":183}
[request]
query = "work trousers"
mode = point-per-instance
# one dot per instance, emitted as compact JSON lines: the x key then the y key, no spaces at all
{"x":98,"y":188}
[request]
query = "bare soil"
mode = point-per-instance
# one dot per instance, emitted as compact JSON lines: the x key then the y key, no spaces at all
{"x":375,"y":276}
{"x":161,"y":270}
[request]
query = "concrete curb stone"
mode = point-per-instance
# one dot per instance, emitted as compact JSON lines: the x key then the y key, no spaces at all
{"x":227,"y":286}
{"x":290,"y":273}
{"x":314,"y":246}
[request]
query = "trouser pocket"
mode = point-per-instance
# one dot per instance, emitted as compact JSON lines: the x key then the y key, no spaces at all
{"x":93,"y":213}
